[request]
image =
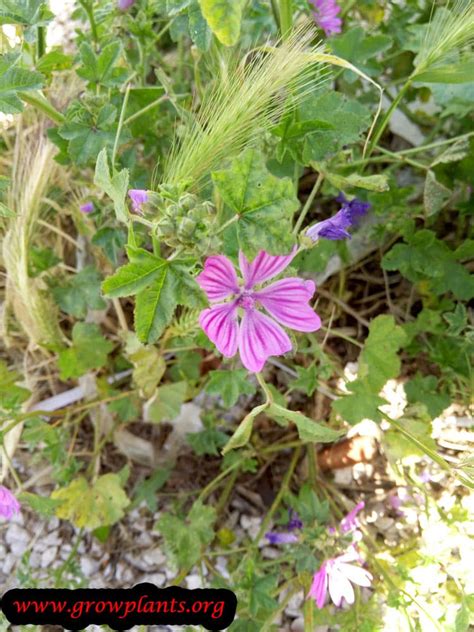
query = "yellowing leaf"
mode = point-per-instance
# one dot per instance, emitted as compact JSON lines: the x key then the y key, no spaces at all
{"x":224,"y":18}
{"x":94,"y":506}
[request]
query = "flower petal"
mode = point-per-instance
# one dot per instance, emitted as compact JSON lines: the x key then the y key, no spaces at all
{"x":220,"y":325}
{"x":263,"y":267}
{"x":287,"y":301}
{"x":356,"y":574}
{"x":218,"y":279}
{"x":340,"y":587}
{"x":319,"y":586}
{"x":259,"y":338}
{"x":281,"y":538}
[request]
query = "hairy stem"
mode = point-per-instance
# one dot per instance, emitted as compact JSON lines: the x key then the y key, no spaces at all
{"x":286,"y":17}
{"x":38,"y":101}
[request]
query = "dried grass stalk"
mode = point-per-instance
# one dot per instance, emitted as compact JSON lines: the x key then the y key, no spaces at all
{"x":33,"y":172}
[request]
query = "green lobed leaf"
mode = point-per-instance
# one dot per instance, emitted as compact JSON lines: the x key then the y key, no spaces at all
{"x":199,"y":30}
{"x":184,"y":539}
{"x":224,"y":18}
{"x":378,"y":362}
{"x":89,"y":351}
{"x":100,"y":69}
{"x":13,"y":80}
{"x":135,"y":276}
{"x":230,"y":385}
{"x":264,"y":203}
{"x":424,"y":389}
{"x":80,"y":293}
{"x":348,"y":117}
{"x":155,"y":305}
{"x":25,"y":12}
{"x":116,"y":186}
{"x":435,"y":194}
{"x":166,"y":404}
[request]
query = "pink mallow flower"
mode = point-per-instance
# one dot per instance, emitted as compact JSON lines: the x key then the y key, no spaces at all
{"x":325,"y":15}
{"x":349,"y":522}
{"x":138,"y":197}
{"x":238,"y":324}
{"x":9,"y":505}
{"x":338,"y":575}
{"x":123,"y":5}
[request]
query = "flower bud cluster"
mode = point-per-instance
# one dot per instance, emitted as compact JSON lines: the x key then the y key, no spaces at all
{"x":186,"y":222}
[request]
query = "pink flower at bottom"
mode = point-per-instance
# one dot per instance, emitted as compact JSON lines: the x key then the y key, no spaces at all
{"x":9,"y":505}
{"x":338,"y":575}
{"x":256,"y":336}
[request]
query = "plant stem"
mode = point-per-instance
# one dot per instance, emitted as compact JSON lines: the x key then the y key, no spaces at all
{"x":266,"y":390}
{"x":228,"y":223}
{"x":424,"y":448}
{"x":308,"y":203}
{"x":88,"y":8}
{"x":38,"y":101}
{"x":148,"y":107}
{"x":120,"y":124}
{"x":286,"y":17}
{"x":283,"y":489}
{"x":40,"y":42}
{"x":386,"y":118}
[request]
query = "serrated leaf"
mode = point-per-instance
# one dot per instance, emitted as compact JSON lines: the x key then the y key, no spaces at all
{"x":224,"y":18}
{"x":264,"y":203}
{"x":308,"y":429}
{"x":435,"y":194}
{"x":116,"y":186}
{"x":166,"y":405}
{"x":80,"y":293}
{"x":100,"y":69}
{"x":229,"y":385}
{"x":348,"y":117}
{"x":26,"y":12}
{"x":199,"y":30}
{"x":155,"y":305}
{"x":92,"y":506}
{"x":378,"y":182}
{"x":135,"y":276}
{"x":361,"y":404}
{"x":40,"y":504}
{"x":185,"y":539}
{"x":89,"y":351}
{"x":378,"y":361}
{"x":424,"y":389}
{"x":13,"y":80}
{"x":11,"y":395}
{"x":149,"y":367}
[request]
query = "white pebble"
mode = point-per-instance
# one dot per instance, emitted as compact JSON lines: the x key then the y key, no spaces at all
{"x":48,"y":556}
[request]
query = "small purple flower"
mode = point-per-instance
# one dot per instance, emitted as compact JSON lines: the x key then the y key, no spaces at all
{"x":9,"y":505}
{"x":334,"y":228}
{"x":256,"y":336}
{"x":138,"y":197}
{"x":123,"y":5}
{"x":349,"y":523}
{"x":88,"y":207}
{"x":281,"y":538}
{"x":325,"y":16}
{"x":336,"y":575}
{"x":286,"y":537}
{"x":425,"y":476}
